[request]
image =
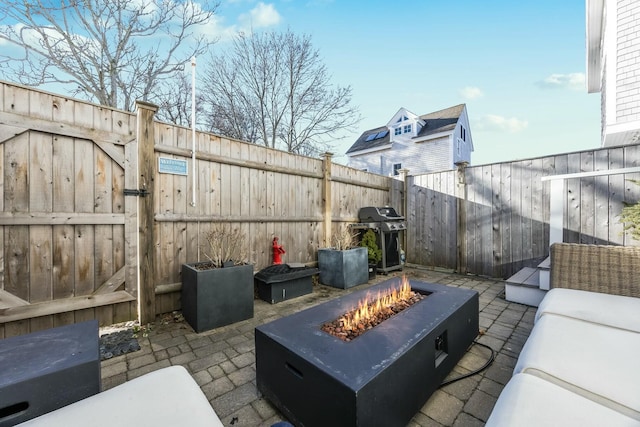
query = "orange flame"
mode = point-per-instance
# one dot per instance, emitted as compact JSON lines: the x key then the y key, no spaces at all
{"x":368,"y":309}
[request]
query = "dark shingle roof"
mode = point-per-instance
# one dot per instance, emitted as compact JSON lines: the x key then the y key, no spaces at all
{"x":362,"y":143}
{"x":440,"y":121}
{"x":436,"y":122}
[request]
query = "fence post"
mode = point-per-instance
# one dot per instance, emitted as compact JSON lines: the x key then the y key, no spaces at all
{"x":146,"y":177}
{"x":404,"y":173}
{"x":326,"y":198}
{"x":461,"y":229}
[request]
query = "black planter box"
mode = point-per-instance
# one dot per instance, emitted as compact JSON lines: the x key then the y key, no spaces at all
{"x":216,"y":297}
{"x":282,"y":282}
{"x":47,"y":370}
{"x":343,"y":269}
{"x":381,"y":378}
{"x":373,"y":271}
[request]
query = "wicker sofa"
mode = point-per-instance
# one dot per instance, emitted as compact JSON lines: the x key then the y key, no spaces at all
{"x":579,"y":366}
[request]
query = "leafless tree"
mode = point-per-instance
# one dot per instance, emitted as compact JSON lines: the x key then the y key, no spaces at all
{"x":174,"y":102}
{"x":109,"y":51}
{"x":273,"y":89}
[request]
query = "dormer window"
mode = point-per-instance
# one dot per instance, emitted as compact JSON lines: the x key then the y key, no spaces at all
{"x":397,"y":131}
{"x":407,"y":128}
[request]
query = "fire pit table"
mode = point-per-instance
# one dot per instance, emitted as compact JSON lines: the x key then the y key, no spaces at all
{"x":382,"y":377}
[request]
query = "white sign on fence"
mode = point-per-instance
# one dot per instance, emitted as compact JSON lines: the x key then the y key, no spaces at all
{"x":173,"y":166}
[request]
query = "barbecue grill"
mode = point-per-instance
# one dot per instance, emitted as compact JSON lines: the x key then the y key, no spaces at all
{"x":387,"y":224}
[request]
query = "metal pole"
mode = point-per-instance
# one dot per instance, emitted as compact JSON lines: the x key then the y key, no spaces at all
{"x":193,"y":128}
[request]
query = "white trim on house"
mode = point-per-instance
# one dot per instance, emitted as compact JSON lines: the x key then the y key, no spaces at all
{"x":594,"y":30}
{"x":432,"y":136}
{"x":371,"y":150}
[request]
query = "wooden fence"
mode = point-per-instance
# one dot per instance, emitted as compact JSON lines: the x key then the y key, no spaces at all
{"x":75,"y":238}
{"x":494,"y":219}
{"x":78,"y":243}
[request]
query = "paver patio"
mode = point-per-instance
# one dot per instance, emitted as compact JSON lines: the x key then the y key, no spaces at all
{"x":222,"y":361}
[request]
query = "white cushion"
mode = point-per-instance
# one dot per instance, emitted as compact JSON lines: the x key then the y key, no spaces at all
{"x":531,"y":401}
{"x":599,"y":362}
{"x":612,"y":310}
{"x":166,"y":397}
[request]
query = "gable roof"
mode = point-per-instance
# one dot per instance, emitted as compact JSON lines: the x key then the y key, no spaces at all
{"x":439,"y":121}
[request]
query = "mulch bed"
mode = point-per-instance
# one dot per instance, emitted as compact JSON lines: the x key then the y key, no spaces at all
{"x":118,"y":343}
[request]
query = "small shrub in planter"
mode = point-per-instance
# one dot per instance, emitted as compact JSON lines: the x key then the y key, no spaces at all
{"x":630,"y":216}
{"x":374,"y":253}
{"x":219,"y":291}
{"x":344,"y":264}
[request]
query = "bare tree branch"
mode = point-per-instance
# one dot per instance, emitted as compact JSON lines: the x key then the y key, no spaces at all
{"x":109,"y":51}
{"x":272,"y":89}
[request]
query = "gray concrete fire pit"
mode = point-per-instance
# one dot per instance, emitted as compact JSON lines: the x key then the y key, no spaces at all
{"x":381,"y":378}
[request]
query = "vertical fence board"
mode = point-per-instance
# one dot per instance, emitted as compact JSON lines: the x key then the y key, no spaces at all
{"x":506,"y":219}
{"x":526,"y":209}
{"x":496,"y":231}
{"x":601,"y":191}
{"x":587,"y":197}
{"x":538,"y":245}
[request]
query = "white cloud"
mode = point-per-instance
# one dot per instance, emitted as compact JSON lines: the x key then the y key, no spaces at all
{"x":500,"y":123}
{"x":263,"y":15}
{"x":573,"y":81}
{"x":216,"y":29}
{"x":471,"y":92}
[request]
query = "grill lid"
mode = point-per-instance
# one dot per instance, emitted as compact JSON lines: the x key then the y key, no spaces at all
{"x":382,"y":214}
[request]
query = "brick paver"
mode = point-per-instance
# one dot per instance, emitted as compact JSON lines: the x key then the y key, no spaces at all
{"x":222,"y":361}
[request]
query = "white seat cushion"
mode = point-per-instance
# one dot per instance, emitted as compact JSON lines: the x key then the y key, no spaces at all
{"x":166,"y":397}
{"x":531,"y":401}
{"x":612,"y":310}
{"x":599,"y":362}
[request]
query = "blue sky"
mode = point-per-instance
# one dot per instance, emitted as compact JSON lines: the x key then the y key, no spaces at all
{"x":519,"y":66}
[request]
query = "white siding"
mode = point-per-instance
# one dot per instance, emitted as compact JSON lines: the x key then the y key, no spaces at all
{"x":422,"y":157}
{"x":371,"y":162}
{"x":466,"y":146}
{"x":628,"y":61}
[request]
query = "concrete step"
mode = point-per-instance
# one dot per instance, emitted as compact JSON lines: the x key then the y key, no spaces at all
{"x":524,"y":287}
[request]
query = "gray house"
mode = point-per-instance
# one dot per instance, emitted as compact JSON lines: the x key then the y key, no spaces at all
{"x":428,"y":143}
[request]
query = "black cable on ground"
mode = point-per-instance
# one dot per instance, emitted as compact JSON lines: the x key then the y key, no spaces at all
{"x":477,"y":371}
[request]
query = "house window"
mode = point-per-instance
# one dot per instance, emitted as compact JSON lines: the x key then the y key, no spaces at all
{"x":397,"y":131}
{"x":407,"y":128}
{"x":396,"y":168}
{"x":463,"y":133}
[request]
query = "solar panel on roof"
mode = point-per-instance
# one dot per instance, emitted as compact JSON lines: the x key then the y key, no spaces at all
{"x":382,"y":134}
{"x":371,"y":137}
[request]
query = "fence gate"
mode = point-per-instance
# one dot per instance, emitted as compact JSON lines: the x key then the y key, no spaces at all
{"x":68,"y":232}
